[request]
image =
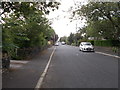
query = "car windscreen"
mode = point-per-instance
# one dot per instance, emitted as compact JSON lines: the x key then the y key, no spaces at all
{"x":88,"y":44}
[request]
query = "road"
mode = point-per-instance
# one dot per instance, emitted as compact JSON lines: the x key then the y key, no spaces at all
{"x":71,"y":68}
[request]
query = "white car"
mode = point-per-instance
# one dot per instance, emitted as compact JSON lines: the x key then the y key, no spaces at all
{"x":86,"y":46}
{"x":56,"y":44}
{"x":63,"y":43}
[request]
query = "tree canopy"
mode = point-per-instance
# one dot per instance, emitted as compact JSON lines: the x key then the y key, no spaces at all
{"x":103,"y":19}
{"x":25,"y":25}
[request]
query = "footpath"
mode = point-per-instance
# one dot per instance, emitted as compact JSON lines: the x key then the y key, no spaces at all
{"x":25,"y":73}
{"x":107,"y":50}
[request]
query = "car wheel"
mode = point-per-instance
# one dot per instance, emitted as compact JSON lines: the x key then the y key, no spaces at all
{"x":82,"y":50}
{"x":93,"y":51}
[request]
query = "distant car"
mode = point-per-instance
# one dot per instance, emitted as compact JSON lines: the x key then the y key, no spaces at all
{"x":63,"y":43}
{"x":56,"y":44}
{"x":86,"y":46}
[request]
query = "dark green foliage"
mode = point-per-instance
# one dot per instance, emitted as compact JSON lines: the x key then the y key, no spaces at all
{"x":91,"y":41}
{"x":104,"y":43}
{"x":103,"y":19}
{"x":107,"y":43}
{"x":103,"y":24}
{"x":71,"y":39}
{"x":25,"y":30}
{"x":63,"y":39}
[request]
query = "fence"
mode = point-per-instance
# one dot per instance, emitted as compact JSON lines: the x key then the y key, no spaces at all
{"x":26,"y":53}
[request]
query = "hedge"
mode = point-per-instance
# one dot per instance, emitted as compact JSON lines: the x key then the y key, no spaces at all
{"x":106,"y":43}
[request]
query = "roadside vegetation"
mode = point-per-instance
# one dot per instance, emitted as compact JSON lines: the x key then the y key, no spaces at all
{"x":25,"y":28}
{"x":103,"y":25}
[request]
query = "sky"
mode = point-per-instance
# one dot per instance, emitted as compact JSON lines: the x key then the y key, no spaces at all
{"x":60,"y":18}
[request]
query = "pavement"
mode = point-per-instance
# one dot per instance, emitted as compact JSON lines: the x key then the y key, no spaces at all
{"x":69,"y":68}
{"x":107,"y":50}
{"x":25,"y":74}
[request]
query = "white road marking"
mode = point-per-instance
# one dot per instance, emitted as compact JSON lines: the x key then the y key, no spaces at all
{"x":38,"y":86}
{"x":108,"y":54}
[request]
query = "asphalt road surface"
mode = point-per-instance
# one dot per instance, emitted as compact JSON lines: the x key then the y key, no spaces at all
{"x":71,"y":68}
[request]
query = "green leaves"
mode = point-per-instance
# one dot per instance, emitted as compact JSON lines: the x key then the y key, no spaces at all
{"x":25,"y":27}
{"x":103,"y":19}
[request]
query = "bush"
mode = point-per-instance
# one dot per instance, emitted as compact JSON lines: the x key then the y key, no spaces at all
{"x":73,"y":44}
{"x":115,"y":49}
{"x":107,"y":43}
{"x":91,"y":41}
{"x":103,"y":43}
{"x":26,"y":53}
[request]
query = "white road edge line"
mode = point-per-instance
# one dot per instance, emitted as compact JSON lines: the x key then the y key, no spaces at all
{"x":108,"y":54}
{"x":38,"y":86}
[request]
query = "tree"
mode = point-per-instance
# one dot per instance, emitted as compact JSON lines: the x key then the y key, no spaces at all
{"x":25,"y":26}
{"x":25,"y":7}
{"x":103,"y":12}
{"x":64,"y":38}
{"x":71,"y":38}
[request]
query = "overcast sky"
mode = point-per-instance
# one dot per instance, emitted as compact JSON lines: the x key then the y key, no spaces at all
{"x":60,"y":18}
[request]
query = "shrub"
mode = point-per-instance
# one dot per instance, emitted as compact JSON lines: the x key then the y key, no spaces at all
{"x":115,"y":49}
{"x":107,"y":43}
{"x":73,"y":44}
